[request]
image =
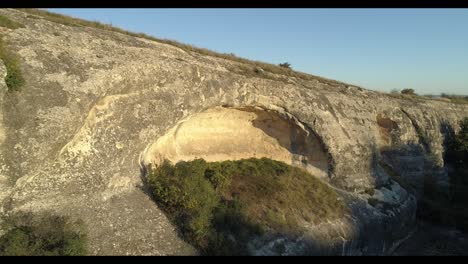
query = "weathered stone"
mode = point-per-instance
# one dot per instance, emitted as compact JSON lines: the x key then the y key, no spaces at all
{"x":73,"y":140}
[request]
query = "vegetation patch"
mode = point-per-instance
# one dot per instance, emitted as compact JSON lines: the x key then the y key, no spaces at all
{"x":43,"y":235}
{"x":411,"y":95}
{"x":14,"y":79}
{"x":8,"y":23}
{"x":220,"y":206}
{"x":456,"y":99}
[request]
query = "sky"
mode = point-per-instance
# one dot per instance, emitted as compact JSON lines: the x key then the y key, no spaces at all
{"x":378,"y":49}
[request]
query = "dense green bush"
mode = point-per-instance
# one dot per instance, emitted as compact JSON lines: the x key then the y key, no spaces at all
{"x":44,"y":235}
{"x":219,"y":206}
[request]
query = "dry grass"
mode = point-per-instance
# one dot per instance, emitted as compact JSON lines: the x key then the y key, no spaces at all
{"x":278,"y":196}
{"x":455,"y":99}
{"x":409,"y":97}
{"x":249,"y":67}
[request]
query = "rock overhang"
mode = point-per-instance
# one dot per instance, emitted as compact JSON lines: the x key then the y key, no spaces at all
{"x":233,"y":133}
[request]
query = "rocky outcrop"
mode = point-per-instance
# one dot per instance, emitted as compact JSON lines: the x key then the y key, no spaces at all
{"x":95,"y":101}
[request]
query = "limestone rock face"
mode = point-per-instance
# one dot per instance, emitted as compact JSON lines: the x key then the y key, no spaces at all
{"x":97,"y":104}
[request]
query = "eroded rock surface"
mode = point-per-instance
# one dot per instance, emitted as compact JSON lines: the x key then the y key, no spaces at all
{"x":95,"y":101}
{"x":220,"y":133}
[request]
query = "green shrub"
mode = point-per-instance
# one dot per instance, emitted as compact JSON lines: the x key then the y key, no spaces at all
{"x":44,"y":235}
{"x":8,"y":23}
{"x":220,"y":181}
{"x":14,"y":79}
{"x":220,"y":206}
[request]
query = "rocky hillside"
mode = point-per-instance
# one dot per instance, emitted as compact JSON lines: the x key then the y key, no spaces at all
{"x":98,"y":106}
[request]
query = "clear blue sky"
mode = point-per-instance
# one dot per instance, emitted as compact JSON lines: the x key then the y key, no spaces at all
{"x":379,"y":49}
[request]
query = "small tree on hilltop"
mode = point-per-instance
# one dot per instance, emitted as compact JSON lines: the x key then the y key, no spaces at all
{"x":285,"y":65}
{"x":408,"y":91}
